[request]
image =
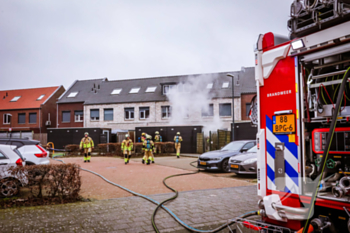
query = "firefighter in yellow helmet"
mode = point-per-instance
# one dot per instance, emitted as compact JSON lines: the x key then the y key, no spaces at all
{"x":147,"y":147}
{"x":157,"y":147}
{"x":127,"y":146}
{"x":87,"y":144}
{"x":178,"y":140}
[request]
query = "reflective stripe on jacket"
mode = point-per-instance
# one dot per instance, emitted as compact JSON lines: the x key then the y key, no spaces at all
{"x":86,"y":142}
{"x":127,"y":145}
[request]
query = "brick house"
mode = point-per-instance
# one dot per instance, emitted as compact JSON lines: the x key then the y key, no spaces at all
{"x":126,"y":104}
{"x":29,"y":112}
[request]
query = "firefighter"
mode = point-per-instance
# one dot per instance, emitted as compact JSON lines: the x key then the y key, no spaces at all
{"x":143,"y":138}
{"x":178,"y":140}
{"x":147,"y":147}
{"x":127,"y":146}
{"x":87,"y":144}
{"x":157,"y":147}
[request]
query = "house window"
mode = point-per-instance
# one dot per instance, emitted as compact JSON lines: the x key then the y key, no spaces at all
{"x":21,"y":118}
{"x":166,"y":111}
{"x":247,"y":109}
{"x":65,"y":116}
{"x":40,"y":97}
{"x":78,"y":116}
{"x":225,"y":109}
{"x":144,"y":112}
{"x":7,"y":118}
{"x":72,"y":94}
{"x":167,"y":88}
{"x":116,"y":91}
{"x":225,"y":85}
{"x":108,"y":114}
{"x":151,"y":89}
{"x":209,"y":85}
{"x":134,"y":90}
{"x":95,"y":114}
{"x":32,"y":118}
{"x":206,"y":112}
{"x":129,"y":113}
{"x":15,"y":98}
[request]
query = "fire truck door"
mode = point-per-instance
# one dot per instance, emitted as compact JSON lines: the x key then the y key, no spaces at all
{"x":279,"y":166}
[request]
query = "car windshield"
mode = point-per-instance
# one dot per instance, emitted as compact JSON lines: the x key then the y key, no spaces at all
{"x":233,"y":146}
{"x":253,"y":149}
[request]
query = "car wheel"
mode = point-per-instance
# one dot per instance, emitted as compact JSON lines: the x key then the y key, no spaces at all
{"x":225,"y":167}
{"x":9,"y":187}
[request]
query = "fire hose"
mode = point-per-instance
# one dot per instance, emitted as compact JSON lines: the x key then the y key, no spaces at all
{"x":182,"y":223}
{"x":328,"y":145}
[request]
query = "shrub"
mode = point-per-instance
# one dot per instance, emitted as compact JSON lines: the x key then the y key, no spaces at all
{"x":72,"y":149}
{"x":55,"y":180}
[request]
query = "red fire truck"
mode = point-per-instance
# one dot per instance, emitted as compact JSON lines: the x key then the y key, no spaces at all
{"x":302,"y":111}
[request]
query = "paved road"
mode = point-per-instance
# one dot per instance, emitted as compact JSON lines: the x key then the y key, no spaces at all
{"x":202,"y":209}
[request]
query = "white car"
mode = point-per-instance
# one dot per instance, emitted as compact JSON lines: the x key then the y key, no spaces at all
{"x":31,"y":150}
{"x":10,"y":183}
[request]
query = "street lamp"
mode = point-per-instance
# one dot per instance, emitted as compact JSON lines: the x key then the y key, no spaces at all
{"x":233,"y":106}
{"x":8,"y":114}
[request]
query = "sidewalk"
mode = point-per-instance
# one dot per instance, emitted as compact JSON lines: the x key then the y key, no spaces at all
{"x":202,"y":209}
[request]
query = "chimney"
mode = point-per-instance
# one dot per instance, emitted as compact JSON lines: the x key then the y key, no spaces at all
{"x":98,"y":87}
{"x":7,"y":94}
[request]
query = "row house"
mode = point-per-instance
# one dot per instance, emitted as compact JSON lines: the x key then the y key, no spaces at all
{"x":126,"y":104}
{"x":28,"y":112}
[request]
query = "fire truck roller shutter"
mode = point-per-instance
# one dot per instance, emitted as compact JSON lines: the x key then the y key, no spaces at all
{"x":290,"y":157}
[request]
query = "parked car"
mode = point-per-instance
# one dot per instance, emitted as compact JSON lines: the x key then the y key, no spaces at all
{"x":218,"y":160}
{"x":244,"y":163}
{"x":31,"y":150}
{"x":10,"y":183}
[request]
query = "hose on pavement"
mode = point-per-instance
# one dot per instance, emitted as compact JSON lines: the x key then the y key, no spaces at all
{"x":182,"y":223}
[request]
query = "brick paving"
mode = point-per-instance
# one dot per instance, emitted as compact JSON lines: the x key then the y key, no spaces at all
{"x":205,"y":209}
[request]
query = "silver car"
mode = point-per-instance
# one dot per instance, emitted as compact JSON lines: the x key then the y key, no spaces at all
{"x":245,"y":163}
{"x":10,"y":183}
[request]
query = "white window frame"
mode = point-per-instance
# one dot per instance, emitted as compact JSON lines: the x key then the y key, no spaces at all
{"x":151,"y":89}
{"x":167,"y":112}
{"x":210,"y":86}
{"x":14,"y":99}
{"x":129,"y":113}
{"x":134,"y":90}
{"x":6,"y":117}
{"x":144,"y":113}
{"x":40,"y":97}
{"x":116,"y":91}
{"x":72,"y":94}
{"x":79,"y":118}
{"x":225,"y":85}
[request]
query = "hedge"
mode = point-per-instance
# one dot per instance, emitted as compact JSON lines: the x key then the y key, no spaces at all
{"x":54,"y":183}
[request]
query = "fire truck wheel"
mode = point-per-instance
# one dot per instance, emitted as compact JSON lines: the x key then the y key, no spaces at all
{"x":225,"y":166}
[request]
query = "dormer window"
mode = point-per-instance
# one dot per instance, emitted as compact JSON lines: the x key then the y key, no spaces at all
{"x":134,"y":90}
{"x":167,"y":88}
{"x":40,"y":97}
{"x":72,"y":94}
{"x":116,"y":91}
{"x":15,"y":98}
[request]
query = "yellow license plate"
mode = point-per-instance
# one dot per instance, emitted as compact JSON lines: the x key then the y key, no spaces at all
{"x":234,"y":166}
{"x":283,"y":124}
{"x":203,"y":163}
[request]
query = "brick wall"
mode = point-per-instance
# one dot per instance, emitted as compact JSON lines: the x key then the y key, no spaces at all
{"x":69,"y":107}
{"x":14,"y":121}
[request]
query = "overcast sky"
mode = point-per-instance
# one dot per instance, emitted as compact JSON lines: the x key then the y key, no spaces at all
{"x":54,"y":42}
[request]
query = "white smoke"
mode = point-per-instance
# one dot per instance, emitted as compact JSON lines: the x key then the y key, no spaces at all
{"x":187,"y":100}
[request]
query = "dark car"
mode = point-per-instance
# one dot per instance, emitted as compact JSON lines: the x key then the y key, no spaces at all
{"x":244,"y":163}
{"x":218,"y":160}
